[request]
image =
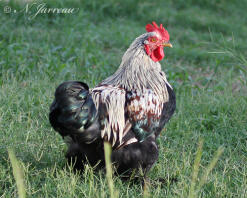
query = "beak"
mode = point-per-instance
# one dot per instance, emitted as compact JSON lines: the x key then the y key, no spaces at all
{"x":167,"y":44}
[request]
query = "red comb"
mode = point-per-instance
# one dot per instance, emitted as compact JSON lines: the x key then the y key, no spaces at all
{"x":160,"y":30}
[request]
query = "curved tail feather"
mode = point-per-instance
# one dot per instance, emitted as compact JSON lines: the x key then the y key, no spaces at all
{"x":73,"y":110}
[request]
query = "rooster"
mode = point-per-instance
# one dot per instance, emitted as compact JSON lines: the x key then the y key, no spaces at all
{"x":128,"y":109}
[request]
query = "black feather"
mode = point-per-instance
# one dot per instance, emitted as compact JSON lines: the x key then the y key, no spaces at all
{"x":168,"y":110}
{"x":73,"y":111}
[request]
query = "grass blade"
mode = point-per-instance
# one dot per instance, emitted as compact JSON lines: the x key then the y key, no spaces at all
{"x":193,"y":189}
{"x":196,"y":169}
{"x":18,"y":174}
{"x":210,"y":167}
{"x":146,"y":189}
{"x":107,"y":148}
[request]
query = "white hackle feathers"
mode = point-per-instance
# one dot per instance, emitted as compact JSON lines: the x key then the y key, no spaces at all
{"x":114,"y":100}
{"x":138,"y":71}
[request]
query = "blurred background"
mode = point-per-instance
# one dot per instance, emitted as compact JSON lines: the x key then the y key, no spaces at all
{"x":207,"y":67}
{"x":205,"y":34}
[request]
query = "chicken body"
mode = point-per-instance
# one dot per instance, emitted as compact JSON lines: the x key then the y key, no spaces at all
{"x":129,"y":109}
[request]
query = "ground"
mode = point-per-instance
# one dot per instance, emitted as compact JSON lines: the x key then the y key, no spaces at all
{"x":207,"y":68}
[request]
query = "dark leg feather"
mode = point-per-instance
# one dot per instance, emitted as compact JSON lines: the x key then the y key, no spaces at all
{"x":79,"y":154}
{"x":135,"y":156}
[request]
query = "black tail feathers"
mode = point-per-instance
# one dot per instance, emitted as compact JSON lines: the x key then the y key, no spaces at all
{"x":73,"y":109}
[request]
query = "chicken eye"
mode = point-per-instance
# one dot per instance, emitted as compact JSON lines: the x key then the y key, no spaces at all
{"x":153,"y":40}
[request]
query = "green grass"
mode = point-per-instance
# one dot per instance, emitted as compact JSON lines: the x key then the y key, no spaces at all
{"x":207,"y":68}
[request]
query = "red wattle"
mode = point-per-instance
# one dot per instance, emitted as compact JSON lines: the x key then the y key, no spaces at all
{"x":157,"y":54}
